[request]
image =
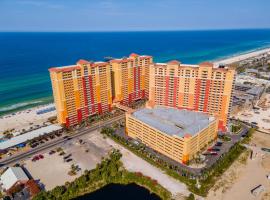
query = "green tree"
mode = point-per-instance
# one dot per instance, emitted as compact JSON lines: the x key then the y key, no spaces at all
{"x":191,"y":197}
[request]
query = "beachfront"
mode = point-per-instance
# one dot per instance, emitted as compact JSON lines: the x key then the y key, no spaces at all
{"x":241,"y":57}
{"x":25,"y":119}
{"x":29,"y":118}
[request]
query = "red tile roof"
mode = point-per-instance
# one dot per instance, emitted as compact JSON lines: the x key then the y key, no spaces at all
{"x":173,"y":62}
{"x":64,"y":69}
{"x":206,"y":64}
{"x":33,"y":187}
{"x":121,"y":60}
{"x":187,"y":135}
{"x":133,"y":55}
{"x":83,"y":62}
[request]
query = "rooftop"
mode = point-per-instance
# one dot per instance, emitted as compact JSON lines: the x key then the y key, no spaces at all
{"x":64,"y":68}
{"x":11,"y":176}
{"x":203,"y":64}
{"x":173,"y":121}
{"x":28,"y":136}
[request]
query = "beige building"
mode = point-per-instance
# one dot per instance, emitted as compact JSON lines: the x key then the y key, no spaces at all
{"x":177,"y":134}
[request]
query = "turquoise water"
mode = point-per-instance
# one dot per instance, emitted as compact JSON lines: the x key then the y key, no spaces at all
{"x":26,"y":57}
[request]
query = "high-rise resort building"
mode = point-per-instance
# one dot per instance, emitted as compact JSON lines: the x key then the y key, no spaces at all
{"x":89,"y":88}
{"x":202,"y":88}
{"x":175,"y":133}
{"x":130,"y":78}
{"x":81,"y":90}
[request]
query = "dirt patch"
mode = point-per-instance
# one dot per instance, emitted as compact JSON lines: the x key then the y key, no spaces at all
{"x":266,"y":162}
{"x":266,"y":196}
{"x":261,"y":139}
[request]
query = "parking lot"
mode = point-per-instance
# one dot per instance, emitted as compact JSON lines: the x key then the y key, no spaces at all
{"x":84,"y":153}
{"x":211,"y":155}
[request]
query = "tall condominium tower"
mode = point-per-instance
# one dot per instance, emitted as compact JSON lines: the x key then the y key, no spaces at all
{"x":130,"y":78}
{"x":202,"y":87}
{"x":81,"y":90}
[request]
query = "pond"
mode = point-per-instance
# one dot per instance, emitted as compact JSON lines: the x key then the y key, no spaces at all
{"x":120,"y":192}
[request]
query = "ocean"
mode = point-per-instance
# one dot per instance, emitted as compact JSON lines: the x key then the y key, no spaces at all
{"x":26,"y":56}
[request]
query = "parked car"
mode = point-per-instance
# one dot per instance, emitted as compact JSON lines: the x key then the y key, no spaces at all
{"x":62,"y":153}
{"x":35,"y":158}
{"x":68,"y":160}
{"x":34,"y":145}
{"x":51,"y":152}
{"x":51,"y":136}
{"x":40,"y":156}
{"x":219,"y":144}
{"x":67,"y":156}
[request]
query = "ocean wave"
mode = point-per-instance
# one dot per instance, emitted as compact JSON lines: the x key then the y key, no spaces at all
{"x":19,"y":105}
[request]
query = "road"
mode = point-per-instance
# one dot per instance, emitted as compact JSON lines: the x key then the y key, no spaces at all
{"x":45,"y":147}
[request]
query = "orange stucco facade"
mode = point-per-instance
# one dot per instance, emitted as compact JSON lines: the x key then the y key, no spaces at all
{"x":202,"y":88}
{"x":78,"y":93}
{"x":130,"y":78}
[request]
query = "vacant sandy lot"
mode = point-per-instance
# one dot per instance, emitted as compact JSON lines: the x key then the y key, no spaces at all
{"x":136,"y":164}
{"x":51,"y":171}
{"x":90,"y":153}
{"x":241,"y":177}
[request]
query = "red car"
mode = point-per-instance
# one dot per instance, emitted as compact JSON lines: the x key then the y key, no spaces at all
{"x":40,"y":156}
{"x":210,"y":149}
{"x":35,"y":158}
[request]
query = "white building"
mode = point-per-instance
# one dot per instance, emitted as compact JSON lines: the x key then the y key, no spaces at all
{"x":11,"y":177}
{"x":28,"y":136}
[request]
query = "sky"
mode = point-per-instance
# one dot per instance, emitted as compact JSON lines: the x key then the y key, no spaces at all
{"x":132,"y":15}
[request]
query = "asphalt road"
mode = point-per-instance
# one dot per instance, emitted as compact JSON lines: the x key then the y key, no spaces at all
{"x":45,"y":147}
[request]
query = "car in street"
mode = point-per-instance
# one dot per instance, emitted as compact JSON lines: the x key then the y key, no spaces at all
{"x":218,"y":144}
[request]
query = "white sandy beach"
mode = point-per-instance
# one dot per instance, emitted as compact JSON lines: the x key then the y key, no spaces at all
{"x":241,"y":57}
{"x":25,"y":119}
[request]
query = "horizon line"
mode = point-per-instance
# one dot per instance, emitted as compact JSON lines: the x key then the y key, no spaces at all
{"x":157,"y":30}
